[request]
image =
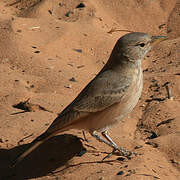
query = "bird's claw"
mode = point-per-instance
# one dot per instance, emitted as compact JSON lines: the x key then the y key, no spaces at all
{"x":121,"y":152}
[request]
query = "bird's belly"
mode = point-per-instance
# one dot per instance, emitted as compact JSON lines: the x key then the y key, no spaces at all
{"x":102,"y":120}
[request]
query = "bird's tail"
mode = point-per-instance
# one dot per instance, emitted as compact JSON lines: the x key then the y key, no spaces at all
{"x":38,"y":141}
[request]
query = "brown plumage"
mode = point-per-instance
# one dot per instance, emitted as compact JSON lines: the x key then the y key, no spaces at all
{"x":109,"y":97}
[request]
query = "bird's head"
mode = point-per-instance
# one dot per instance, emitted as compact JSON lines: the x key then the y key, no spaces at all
{"x":134,"y":46}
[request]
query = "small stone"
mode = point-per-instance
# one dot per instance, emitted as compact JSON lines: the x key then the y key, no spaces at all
{"x":37,"y":51}
{"x":138,"y":147}
{"x":70,"y":64}
{"x":154,"y":145}
{"x":81,"y":5}
{"x":68,"y":13}
{"x":81,"y":66}
{"x":50,"y":59}
{"x":78,"y":50}
{"x":61,"y":4}
{"x":163,"y":70}
{"x":152,"y":135}
{"x":73,"y":79}
{"x":120,"y":173}
{"x":120,"y":158}
{"x":68,"y":86}
{"x":50,"y":12}
{"x":19,"y":30}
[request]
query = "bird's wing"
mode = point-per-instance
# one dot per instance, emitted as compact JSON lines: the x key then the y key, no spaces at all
{"x":102,"y":92}
{"x":99,"y":94}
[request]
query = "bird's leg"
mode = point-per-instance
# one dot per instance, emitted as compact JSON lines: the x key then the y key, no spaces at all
{"x":105,"y":134}
{"x":100,"y":139}
{"x":122,"y":151}
{"x":109,"y":142}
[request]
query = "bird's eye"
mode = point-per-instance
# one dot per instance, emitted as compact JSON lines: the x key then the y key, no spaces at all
{"x":142,"y":44}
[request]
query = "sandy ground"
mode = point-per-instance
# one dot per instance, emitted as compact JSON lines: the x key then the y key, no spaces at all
{"x":49,"y":50}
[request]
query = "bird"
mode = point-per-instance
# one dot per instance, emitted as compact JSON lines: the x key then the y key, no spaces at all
{"x":108,"y":98}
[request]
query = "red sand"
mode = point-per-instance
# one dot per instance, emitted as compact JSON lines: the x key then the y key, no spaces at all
{"x":44,"y":44}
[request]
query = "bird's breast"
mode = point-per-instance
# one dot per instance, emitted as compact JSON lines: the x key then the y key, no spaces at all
{"x":132,"y":95}
{"x":120,"y":110}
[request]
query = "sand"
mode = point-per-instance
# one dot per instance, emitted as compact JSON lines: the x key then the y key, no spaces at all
{"x":49,"y":51}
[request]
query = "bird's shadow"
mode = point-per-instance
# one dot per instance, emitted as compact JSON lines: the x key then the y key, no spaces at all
{"x":46,"y":158}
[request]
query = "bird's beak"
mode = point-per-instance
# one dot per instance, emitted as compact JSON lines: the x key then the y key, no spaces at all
{"x":157,"y":39}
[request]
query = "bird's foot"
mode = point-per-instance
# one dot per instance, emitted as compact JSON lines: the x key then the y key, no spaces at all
{"x":121,"y":152}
